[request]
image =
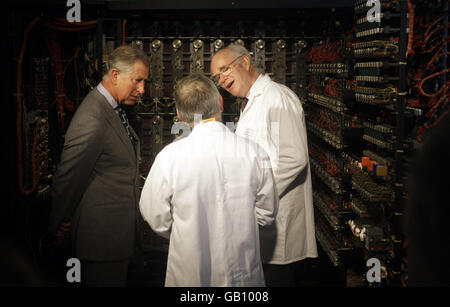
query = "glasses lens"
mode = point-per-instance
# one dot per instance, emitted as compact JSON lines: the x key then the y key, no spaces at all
{"x":215,"y":79}
{"x":227,"y":70}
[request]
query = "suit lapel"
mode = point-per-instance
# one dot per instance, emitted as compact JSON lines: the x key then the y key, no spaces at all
{"x":116,"y":124}
{"x":136,"y":137}
{"x":137,"y":150}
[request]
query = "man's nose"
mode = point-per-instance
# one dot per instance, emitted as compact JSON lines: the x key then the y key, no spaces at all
{"x":141,"y":87}
{"x":222,"y":79}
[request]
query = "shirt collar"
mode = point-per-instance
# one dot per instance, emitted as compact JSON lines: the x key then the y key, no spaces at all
{"x":210,"y":126}
{"x":258,"y":86}
{"x":107,"y":95}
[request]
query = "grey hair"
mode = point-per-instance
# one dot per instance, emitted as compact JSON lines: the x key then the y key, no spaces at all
{"x":123,"y":59}
{"x":239,"y":50}
{"x":197,"y":95}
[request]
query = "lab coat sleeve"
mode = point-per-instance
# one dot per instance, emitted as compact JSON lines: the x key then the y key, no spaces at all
{"x":267,"y":197}
{"x":287,"y":141}
{"x":155,"y":199}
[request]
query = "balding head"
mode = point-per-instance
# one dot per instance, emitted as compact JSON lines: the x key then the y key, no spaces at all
{"x":196,"y":95}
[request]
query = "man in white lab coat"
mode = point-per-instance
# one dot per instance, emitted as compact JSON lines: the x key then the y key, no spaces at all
{"x":207,"y":193}
{"x":273,"y":117}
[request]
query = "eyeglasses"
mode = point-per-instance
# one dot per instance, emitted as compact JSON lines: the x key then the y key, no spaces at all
{"x":226,"y":70}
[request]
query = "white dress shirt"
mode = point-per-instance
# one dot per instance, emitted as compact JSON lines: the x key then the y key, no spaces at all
{"x":207,"y":193}
{"x":274,"y":118}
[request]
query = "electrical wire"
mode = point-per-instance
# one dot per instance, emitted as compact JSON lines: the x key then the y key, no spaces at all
{"x":57,"y":24}
{"x":35,"y":178}
{"x":432,"y":91}
{"x":325,"y":52}
{"x":123,"y":31}
{"x":410,"y":49}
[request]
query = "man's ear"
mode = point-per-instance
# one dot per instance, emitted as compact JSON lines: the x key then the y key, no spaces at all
{"x":114,"y":75}
{"x":246,"y":62}
{"x":221,"y":103}
{"x":179,"y":116}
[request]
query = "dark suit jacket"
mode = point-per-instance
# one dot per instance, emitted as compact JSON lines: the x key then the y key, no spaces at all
{"x":96,"y":183}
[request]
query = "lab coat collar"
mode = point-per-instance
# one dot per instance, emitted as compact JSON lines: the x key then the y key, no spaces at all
{"x":205,"y":127}
{"x":258,"y":87}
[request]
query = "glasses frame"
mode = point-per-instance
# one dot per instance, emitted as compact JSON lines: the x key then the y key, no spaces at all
{"x":227,"y":69}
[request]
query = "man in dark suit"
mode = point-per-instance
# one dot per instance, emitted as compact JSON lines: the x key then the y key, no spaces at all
{"x":95,"y":193}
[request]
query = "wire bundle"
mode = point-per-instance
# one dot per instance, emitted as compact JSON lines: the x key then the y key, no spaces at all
{"x":430,"y":80}
{"x":326,"y":52}
{"x":57,"y":24}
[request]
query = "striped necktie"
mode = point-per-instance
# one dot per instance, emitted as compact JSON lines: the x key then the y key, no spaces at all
{"x":123,"y":117}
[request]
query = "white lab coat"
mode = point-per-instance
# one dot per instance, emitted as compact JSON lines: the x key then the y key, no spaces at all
{"x":274,"y":118}
{"x":207,"y":193}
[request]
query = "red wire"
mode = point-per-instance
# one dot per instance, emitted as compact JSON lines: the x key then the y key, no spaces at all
{"x":410,"y":50}
{"x":55,"y":51}
{"x":60,"y":25}
{"x":35,"y":178}
{"x":419,"y":86}
{"x":123,"y":31}
{"x":81,"y":23}
{"x":66,"y":29}
{"x":428,"y":36}
{"x":436,"y":56}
